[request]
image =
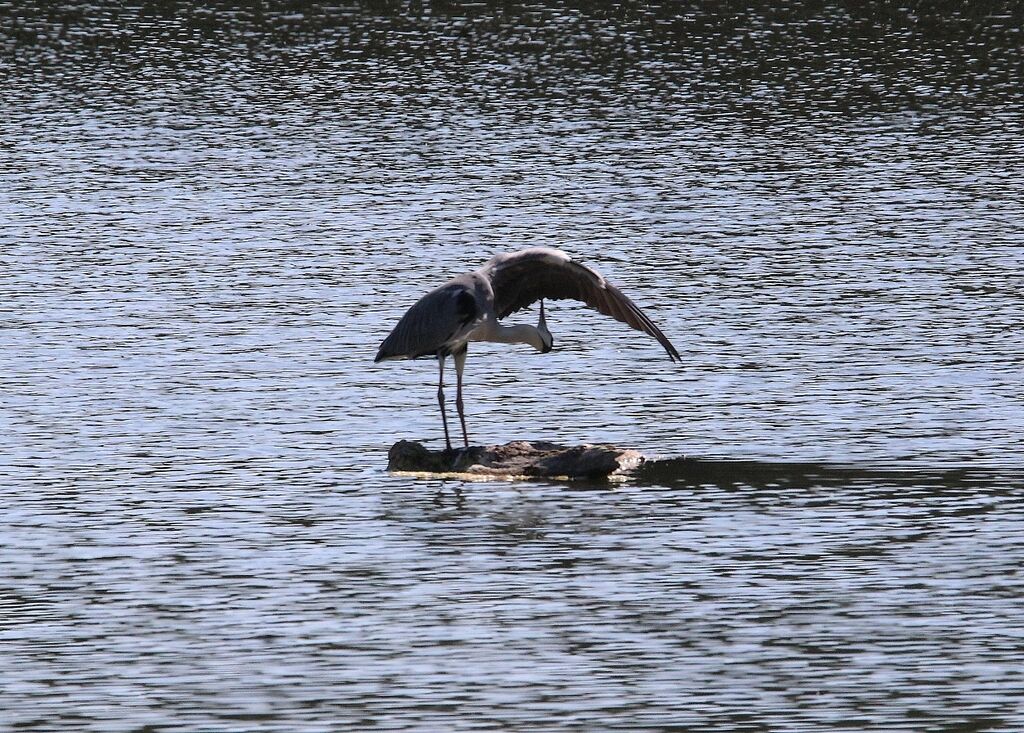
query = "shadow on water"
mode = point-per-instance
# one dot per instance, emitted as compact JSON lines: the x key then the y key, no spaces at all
{"x":775,"y":476}
{"x":695,"y":472}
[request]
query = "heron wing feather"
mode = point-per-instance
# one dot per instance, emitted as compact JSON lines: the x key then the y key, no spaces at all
{"x":431,"y":323}
{"x":522,"y":278}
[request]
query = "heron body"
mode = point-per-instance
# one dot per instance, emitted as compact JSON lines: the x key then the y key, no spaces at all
{"x":469,"y":308}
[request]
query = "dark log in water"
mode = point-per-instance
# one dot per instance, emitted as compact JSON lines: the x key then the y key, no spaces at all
{"x":520,"y":458}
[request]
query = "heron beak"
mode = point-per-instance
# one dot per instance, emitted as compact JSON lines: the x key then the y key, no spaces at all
{"x":542,"y":326}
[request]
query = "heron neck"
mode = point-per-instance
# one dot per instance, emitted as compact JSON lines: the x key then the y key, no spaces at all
{"x":519,"y":334}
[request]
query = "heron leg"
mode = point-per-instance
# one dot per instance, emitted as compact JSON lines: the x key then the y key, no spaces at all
{"x":440,"y":399}
{"x":460,"y":363}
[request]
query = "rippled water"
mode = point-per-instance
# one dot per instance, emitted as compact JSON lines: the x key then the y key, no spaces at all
{"x":209,"y":219}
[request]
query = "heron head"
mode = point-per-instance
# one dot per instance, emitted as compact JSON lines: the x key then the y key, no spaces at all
{"x":547,"y":340}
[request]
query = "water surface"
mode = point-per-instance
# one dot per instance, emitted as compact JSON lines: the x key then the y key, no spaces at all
{"x":212,"y":217}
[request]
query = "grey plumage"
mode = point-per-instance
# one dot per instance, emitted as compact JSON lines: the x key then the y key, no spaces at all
{"x":468,"y":307}
{"x":435,"y":322}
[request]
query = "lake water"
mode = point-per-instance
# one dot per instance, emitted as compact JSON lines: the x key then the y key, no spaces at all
{"x":210,"y":218}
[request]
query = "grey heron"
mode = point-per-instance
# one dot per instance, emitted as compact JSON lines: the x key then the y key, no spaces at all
{"x":468,"y":308}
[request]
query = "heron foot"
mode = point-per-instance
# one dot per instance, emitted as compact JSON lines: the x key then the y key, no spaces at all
{"x":456,"y":456}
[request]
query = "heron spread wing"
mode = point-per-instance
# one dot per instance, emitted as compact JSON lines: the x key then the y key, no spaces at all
{"x":523,"y":277}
